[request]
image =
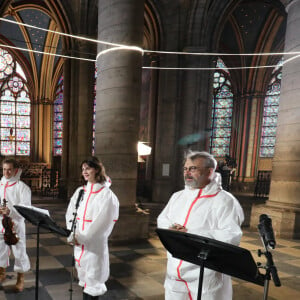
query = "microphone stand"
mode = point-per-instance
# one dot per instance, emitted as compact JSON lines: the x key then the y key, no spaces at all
{"x":270,"y":269}
{"x":72,"y":231}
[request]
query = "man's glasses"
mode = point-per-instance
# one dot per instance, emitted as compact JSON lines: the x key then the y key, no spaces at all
{"x":191,"y":169}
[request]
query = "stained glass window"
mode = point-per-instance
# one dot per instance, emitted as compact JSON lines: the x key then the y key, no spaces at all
{"x":6,"y":64}
{"x":222,"y":106}
{"x":270,"y":114}
{"x":15,"y":108}
{"x":58,"y":118}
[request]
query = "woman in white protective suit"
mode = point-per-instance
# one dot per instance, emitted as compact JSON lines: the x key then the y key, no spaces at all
{"x":15,"y":192}
{"x":97,"y":212}
{"x":202,"y":208}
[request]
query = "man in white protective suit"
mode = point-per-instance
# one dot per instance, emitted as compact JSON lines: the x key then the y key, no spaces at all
{"x":202,"y":208}
{"x":96,"y":214}
{"x":15,"y":192}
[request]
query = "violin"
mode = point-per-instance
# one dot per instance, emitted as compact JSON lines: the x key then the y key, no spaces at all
{"x":10,"y":236}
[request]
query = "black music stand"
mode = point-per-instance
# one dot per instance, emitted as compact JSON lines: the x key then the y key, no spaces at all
{"x":212,"y":254}
{"x":40,"y":220}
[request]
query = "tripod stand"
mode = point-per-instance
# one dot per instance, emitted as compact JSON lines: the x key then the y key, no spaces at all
{"x":39,"y":219}
{"x":267,"y":236}
{"x":72,"y":232}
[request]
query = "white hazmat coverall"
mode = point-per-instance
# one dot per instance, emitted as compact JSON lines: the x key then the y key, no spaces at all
{"x":15,"y":192}
{"x":96,"y":215}
{"x":210,"y":212}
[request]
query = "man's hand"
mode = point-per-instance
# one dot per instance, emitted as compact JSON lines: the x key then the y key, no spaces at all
{"x":4,"y":211}
{"x":178,"y":227}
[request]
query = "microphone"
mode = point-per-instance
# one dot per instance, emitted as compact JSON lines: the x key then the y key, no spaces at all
{"x":266,"y":230}
{"x":80,"y":195}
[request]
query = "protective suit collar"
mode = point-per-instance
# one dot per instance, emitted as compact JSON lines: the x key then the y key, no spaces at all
{"x":94,"y":187}
{"x":213,"y":187}
{"x":14,"y":178}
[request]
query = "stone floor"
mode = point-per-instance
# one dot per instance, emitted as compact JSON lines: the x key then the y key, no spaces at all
{"x":137,"y":270}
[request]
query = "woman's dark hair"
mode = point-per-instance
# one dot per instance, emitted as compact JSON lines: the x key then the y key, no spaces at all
{"x":93,"y":162}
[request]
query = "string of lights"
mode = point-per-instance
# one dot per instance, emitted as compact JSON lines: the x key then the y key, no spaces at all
{"x":151,"y":51}
{"x":46,"y":53}
{"x":116,"y":46}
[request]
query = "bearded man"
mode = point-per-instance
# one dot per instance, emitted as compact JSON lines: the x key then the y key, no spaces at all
{"x":205,"y":209}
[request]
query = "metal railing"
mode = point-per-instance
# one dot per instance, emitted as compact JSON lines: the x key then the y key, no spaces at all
{"x":262,"y":184}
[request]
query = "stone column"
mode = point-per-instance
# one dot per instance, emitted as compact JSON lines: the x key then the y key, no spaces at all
{"x":79,"y":80}
{"x":284,"y":204}
{"x":117,"y":109}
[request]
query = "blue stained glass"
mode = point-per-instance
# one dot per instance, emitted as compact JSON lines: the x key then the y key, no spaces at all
{"x":23,"y":148}
{"x":269,"y":131}
{"x":5,"y":134}
{"x":59,"y":98}
{"x":94,"y":115}
{"x":270,"y":116}
{"x":267,"y":151}
{"x":223,"y":102}
{"x":221,"y":142}
{"x":222,"y":132}
{"x":268,"y":141}
{"x":7,"y":121}
{"x":15,"y":113}
{"x":6,"y":64}
{"x":58,"y":143}
{"x":274,"y":88}
{"x":61,"y":80}
{"x":57,"y":134}
{"x":7,"y":148}
{"x":7,"y":95}
{"x":23,"y":135}
{"x":58,"y":151}
{"x":23,"y":122}
{"x":270,"y":121}
{"x":218,"y":152}
{"x":23,"y":97}
{"x":15,"y":84}
{"x":272,"y":100}
{"x":271,"y":111}
{"x":23,"y":109}
{"x":223,"y":113}
{"x":58,"y":118}
{"x":7,"y":107}
{"x":222,"y":122}
{"x":221,"y":65}
{"x":222,"y":107}
{"x":58,"y":126}
{"x":58,"y":108}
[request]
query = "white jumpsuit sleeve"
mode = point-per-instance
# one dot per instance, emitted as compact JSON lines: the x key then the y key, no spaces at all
{"x":24,"y":196}
{"x":163,"y":220}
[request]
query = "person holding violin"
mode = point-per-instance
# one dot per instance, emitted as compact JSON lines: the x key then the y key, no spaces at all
{"x":12,"y":226}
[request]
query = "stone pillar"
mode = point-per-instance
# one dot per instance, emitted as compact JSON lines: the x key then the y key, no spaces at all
{"x":79,"y":81}
{"x":284,"y":204}
{"x":117,"y":109}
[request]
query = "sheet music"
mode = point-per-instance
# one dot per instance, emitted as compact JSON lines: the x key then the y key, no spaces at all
{"x":41,"y":210}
